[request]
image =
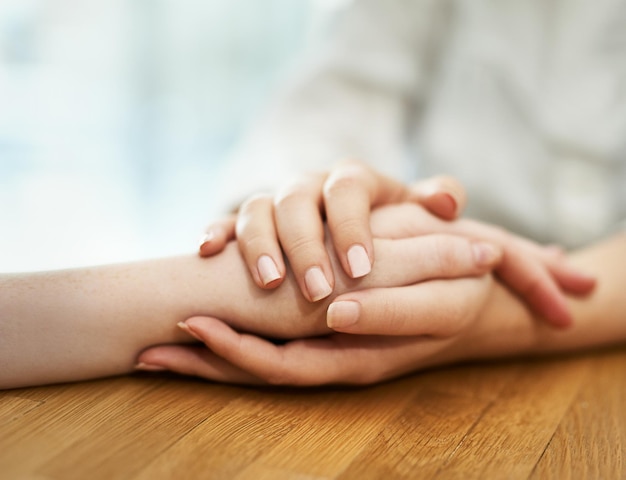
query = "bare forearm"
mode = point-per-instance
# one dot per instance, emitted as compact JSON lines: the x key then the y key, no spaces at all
{"x":90,"y":322}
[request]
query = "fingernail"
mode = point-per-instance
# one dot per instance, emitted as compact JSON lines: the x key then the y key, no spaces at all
{"x":206,"y":238}
{"x":185,"y":328}
{"x":359,"y":261}
{"x":451,"y":204}
{"x":316,"y":284}
{"x":148,"y":367}
{"x":485,"y":254}
{"x":343,"y":314}
{"x":267,"y":269}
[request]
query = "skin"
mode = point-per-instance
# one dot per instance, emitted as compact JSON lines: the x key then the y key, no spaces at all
{"x":460,"y":320}
{"x":92,"y":322}
{"x":292,"y":222}
{"x":339,"y":200}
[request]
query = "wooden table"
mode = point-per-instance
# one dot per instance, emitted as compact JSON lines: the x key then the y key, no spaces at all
{"x":551,"y":418}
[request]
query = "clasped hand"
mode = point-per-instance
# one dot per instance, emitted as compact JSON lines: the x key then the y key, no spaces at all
{"x":411,"y":308}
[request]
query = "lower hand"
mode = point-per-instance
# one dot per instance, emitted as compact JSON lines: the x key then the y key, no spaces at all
{"x":447,"y":311}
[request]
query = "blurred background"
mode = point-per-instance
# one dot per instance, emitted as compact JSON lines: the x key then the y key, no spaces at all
{"x":116,"y":115}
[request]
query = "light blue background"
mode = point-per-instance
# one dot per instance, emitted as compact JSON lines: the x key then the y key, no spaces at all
{"x":115,"y":115}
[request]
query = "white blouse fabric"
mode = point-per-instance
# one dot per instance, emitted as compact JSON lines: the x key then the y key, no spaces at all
{"x":523,"y":100}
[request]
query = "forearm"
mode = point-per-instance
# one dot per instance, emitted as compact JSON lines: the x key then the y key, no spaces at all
{"x":83,"y":323}
{"x":92,"y":322}
{"x":507,"y":327}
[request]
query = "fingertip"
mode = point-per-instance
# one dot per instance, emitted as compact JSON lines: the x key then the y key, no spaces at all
{"x":358,"y":261}
{"x":149,"y":367}
{"x":443,"y":196}
{"x":444,"y":205}
{"x":185,"y":327}
{"x":210,"y":243}
{"x":154,"y":359}
{"x":561,"y":320}
{"x":343,"y":315}
{"x":486,"y":254}
{"x":206,"y":244}
{"x":582,"y":283}
{"x":203,"y":328}
{"x":316,"y":284}
{"x":268,"y":273}
{"x":556,"y":312}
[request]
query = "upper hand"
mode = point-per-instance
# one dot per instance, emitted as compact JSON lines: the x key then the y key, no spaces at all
{"x":540,"y":276}
{"x":293,"y":222}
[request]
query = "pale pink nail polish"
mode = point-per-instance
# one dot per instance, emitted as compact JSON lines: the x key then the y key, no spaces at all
{"x":267,"y":269}
{"x":359,"y":261}
{"x":185,"y":328}
{"x":485,"y":254}
{"x":316,"y":284}
{"x":343,"y":314}
{"x":148,"y":367}
{"x":206,"y":238}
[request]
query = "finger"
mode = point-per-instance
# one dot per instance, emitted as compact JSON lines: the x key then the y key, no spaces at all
{"x":440,"y":308}
{"x":194,"y":361}
{"x":443,"y":196}
{"x":554,"y":259}
{"x":298,"y":216}
{"x":337,"y":359}
{"x":570,"y":279}
{"x":258,"y":241}
{"x":436,"y":256}
{"x":260,"y":357}
{"x":216,"y":236}
{"x":538,"y":275}
{"x":529,"y":278}
{"x":350,"y":192}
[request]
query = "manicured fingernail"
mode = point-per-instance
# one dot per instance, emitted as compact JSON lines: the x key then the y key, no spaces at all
{"x":343,"y":314}
{"x":316,"y":284}
{"x":485,"y":254}
{"x":148,"y":367}
{"x":267,"y":269}
{"x":359,"y":261}
{"x":451,"y":205}
{"x":206,"y":238}
{"x":185,"y":328}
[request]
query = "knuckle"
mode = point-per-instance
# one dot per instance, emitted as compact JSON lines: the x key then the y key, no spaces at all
{"x":303,"y":246}
{"x":287,"y":197}
{"x":349,"y":227}
{"x":338,"y":185}
{"x":252,"y":242}
{"x":445,"y":254}
{"x":254,"y":203}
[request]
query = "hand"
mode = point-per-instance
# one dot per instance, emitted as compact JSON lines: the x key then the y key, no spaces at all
{"x":434,"y":317}
{"x":538,"y":275}
{"x":294,"y":219}
{"x":284,"y":313}
{"x":447,"y":311}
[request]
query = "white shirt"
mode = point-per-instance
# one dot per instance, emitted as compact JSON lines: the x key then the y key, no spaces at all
{"x":523,"y":100}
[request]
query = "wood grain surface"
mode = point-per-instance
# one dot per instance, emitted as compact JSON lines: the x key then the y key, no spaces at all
{"x":562,"y":418}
